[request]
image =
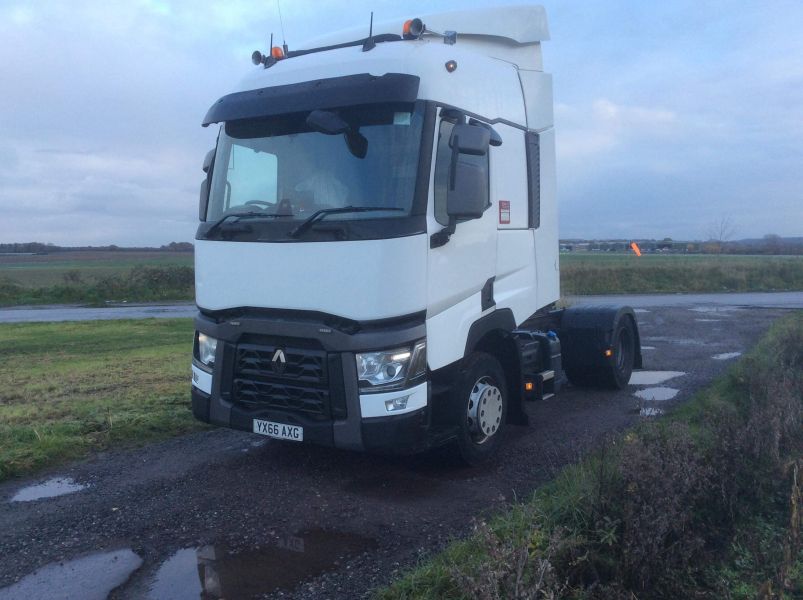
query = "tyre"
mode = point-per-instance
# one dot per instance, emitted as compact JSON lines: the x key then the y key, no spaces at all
{"x":481,"y":398}
{"x":623,"y":344}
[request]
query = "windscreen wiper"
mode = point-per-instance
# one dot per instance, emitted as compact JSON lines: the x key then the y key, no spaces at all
{"x":243,"y":215}
{"x":320,"y":215}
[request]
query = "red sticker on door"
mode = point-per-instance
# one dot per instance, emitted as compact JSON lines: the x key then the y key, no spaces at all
{"x":504,"y":212}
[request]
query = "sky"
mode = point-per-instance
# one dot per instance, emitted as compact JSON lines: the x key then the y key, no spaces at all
{"x":670,"y":116}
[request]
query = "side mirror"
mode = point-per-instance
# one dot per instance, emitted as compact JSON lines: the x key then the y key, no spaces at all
{"x":470,"y":139}
{"x":496,"y":139}
{"x":467,"y":197}
{"x":467,"y":193}
{"x":208,"y":160}
{"x":204,"y":201}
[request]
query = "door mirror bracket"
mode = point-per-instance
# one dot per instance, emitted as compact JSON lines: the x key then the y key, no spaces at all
{"x":440,"y":238}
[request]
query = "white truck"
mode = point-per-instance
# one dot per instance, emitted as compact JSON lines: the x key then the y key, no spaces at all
{"x":377,"y":259}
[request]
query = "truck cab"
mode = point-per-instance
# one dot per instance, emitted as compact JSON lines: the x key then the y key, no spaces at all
{"x":377,"y":256}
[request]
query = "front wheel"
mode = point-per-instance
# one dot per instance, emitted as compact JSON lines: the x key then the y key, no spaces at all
{"x":481,"y":398}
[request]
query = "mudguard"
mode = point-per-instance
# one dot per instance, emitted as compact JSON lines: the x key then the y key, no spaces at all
{"x":587,"y":331}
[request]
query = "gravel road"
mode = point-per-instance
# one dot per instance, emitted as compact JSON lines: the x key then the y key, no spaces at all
{"x":241,"y":516}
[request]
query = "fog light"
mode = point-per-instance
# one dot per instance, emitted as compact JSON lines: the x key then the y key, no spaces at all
{"x":396,"y":404}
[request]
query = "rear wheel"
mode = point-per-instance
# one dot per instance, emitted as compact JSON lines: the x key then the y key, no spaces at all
{"x":481,"y":398}
{"x":623,"y":345}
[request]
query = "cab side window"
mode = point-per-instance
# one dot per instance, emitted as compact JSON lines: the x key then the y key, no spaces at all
{"x":443,"y":162}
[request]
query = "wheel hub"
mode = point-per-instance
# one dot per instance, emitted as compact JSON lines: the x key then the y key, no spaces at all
{"x":484,"y":410}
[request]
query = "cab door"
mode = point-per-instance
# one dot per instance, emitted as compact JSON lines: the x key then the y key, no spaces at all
{"x":461,"y":271}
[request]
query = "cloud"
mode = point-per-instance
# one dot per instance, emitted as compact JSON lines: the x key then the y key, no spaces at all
{"x":591,"y":130}
{"x":667,"y":116}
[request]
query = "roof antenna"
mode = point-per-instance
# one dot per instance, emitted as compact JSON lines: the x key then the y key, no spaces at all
{"x":369,"y":43}
{"x":281,"y":23}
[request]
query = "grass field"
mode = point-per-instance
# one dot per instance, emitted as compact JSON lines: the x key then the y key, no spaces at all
{"x":69,"y":388}
{"x":609,"y":273}
{"x":100,"y":277}
{"x":704,"y":503}
{"x":47,"y":270}
{"x":96,"y":277}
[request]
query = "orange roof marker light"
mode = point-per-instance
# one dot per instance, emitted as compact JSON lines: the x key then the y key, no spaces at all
{"x":277,"y":53}
{"x":635,"y":248}
{"x":413,"y":29}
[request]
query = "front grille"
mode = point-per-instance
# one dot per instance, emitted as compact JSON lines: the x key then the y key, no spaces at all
{"x":300,"y":384}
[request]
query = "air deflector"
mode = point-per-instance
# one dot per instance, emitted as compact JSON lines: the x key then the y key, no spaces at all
{"x":335,"y":92}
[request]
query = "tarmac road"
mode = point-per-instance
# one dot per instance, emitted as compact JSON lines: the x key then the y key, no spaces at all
{"x":244,"y":516}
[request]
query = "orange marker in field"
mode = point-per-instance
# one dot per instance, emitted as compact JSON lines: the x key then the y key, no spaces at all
{"x":635,"y":248}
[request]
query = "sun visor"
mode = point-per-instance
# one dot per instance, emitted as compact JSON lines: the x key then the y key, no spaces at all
{"x":336,"y":92}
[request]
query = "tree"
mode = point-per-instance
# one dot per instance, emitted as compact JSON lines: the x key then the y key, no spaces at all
{"x":772,"y":243}
{"x":719,"y":232}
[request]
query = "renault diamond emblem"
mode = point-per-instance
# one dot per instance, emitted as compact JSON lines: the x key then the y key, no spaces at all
{"x":278,"y":361}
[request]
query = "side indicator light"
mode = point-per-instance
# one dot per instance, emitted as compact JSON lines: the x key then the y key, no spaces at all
{"x":608,"y":353}
{"x":528,"y":387}
{"x":451,"y":66}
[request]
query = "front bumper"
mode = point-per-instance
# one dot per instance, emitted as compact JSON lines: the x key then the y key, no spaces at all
{"x":406,"y":433}
{"x":350,"y":420}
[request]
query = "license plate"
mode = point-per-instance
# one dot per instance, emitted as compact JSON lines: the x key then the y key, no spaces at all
{"x":280,"y":431}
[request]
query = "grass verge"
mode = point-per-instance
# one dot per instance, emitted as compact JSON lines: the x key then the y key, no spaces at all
{"x":705,"y":503}
{"x":597,"y":273}
{"x":69,"y":388}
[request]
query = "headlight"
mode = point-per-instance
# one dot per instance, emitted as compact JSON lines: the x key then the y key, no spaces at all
{"x":391,"y":369}
{"x":207,"y":346}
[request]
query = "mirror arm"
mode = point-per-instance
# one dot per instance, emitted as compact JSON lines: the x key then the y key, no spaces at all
{"x":440,"y":238}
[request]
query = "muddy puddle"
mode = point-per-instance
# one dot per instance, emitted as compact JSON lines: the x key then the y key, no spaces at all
{"x":658,"y":394}
{"x":216,"y":572}
{"x":726,"y":355}
{"x":58,"y":486}
{"x":672,"y":340}
{"x":90,"y":577}
{"x":653,"y":377}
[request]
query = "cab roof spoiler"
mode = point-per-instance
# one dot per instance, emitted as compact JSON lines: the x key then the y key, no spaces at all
{"x":335,"y":92}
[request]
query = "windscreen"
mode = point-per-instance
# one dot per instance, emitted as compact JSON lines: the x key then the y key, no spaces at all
{"x":283,"y":169}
